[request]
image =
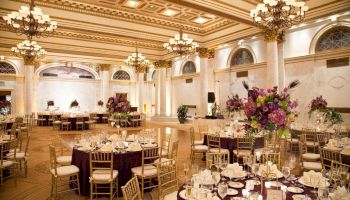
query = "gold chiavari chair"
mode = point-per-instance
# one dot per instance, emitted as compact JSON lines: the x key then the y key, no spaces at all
{"x":196,"y":149}
{"x":343,"y":170}
{"x":274,"y":158}
{"x":328,"y":156}
{"x":65,"y":125}
{"x":244,"y":147}
{"x":131,"y":190}
{"x":20,"y":153}
{"x":80,"y":123}
{"x":105,"y":118}
{"x":62,"y":176}
{"x":147,"y":171}
{"x":310,"y":139}
{"x":40,"y":121}
{"x":307,"y":164}
{"x":60,"y":149}
{"x":216,"y":158}
{"x":272,"y":141}
{"x":322,"y":139}
{"x":165,"y":146}
{"x":8,"y":163}
{"x":202,"y":129}
{"x":102,"y":173}
{"x":168,"y":183}
{"x":56,"y":122}
{"x":172,"y":154}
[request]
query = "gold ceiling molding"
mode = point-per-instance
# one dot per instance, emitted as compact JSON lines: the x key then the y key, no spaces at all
{"x":162,"y":64}
{"x":127,"y":16}
{"x":205,"y":52}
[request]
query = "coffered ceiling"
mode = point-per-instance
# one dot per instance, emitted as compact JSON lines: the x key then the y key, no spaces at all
{"x":111,"y":29}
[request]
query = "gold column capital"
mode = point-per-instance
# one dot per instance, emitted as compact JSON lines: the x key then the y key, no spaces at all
{"x":272,"y":35}
{"x":205,"y":52}
{"x":105,"y":67}
{"x":29,"y":60}
{"x":141,"y":69}
{"x":162,"y":64}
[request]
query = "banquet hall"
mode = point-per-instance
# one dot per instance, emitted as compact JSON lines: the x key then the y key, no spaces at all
{"x":175,"y":99}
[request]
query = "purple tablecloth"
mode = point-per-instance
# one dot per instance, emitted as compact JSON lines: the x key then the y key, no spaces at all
{"x":231,"y":144}
{"x":123,"y":162}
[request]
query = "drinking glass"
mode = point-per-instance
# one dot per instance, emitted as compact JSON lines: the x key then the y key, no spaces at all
{"x":314,"y":182}
{"x":286,"y":173}
{"x":188,"y":188}
{"x":323,"y":193}
{"x":195,"y":169}
{"x":255,"y":169}
{"x":186,"y":170}
{"x":216,"y":178}
{"x":222,"y":190}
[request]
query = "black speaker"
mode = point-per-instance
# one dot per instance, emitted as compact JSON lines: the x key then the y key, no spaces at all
{"x":211,"y":97}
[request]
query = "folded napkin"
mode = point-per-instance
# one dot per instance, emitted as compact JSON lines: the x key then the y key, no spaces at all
{"x":107,"y":147}
{"x":307,"y":176}
{"x":272,"y":169}
{"x":340,"y":194}
{"x":204,"y":177}
{"x":134,"y":146}
{"x":332,"y":144}
{"x":233,"y":170}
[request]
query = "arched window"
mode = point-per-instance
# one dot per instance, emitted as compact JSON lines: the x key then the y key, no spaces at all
{"x":334,"y":38}
{"x":189,"y":68}
{"x":241,"y":57}
{"x":121,"y":75}
{"x":66,"y":72}
{"x":154,"y":75}
{"x":6,"y":68}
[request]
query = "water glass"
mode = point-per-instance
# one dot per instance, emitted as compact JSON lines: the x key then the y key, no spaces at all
{"x":323,"y":193}
{"x":186,"y":170}
{"x":286,"y":173}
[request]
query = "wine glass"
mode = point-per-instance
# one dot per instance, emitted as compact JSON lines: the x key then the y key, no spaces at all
{"x":188,"y":188}
{"x":255,"y":169}
{"x":314,"y":182}
{"x":186,"y":170}
{"x":195,"y":169}
{"x":323,"y":193}
{"x":222,"y":190}
{"x":216,"y":178}
{"x":286,"y":173}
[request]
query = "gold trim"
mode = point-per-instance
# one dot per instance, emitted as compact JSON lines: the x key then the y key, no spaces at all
{"x":162,"y":64}
{"x":205,"y":52}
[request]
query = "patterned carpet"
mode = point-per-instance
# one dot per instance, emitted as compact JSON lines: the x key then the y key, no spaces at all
{"x":36,"y":186}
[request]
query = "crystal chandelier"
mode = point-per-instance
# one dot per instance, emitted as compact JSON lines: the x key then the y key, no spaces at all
{"x":30,"y":21}
{"x":138,"y":61}
{"x":181,"y":45}
{"x":275,"y":16}
{"x":29,"y":50}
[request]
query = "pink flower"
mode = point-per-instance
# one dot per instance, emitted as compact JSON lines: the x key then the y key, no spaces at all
{"x":278,"y":116}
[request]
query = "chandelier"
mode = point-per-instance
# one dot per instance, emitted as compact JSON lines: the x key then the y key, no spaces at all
{"x":138,"y":61}
{"x":29,"y":50}
{"x":181,"y":45}
{"x":30,"y":21}
{"x":275,"y":16}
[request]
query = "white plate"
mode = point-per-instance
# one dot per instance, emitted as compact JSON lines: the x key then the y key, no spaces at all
{"x":235,"y":184}
{"x":256,"y":182}
{"x":276,"y":184}
{"x":182,"y":194}
{"x":300,"y":180}
{"x":231,"y":192}
{"x":238,"y":198}
{"x":296,"y":190}
{"x":300,"y":197}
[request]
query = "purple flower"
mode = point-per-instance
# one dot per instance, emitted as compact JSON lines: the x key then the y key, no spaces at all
{"x":278,"y":116}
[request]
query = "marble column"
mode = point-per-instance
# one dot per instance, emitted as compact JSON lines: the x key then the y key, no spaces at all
{"x":281,"y":66}
{"x":206,"y":78}
{"x":272,"y":63}
{"x":29,"y":90}
{"x":168,"y":92}
{"x":105,"y":78}
{"x":19,"y":95}
{"x":162,"y":91}
{"x":163,"y":87}
{"x":139,"y":93}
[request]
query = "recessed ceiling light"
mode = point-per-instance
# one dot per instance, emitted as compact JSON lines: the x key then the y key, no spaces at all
{"x":169,"y":12}
{"x":132,"y":3}
{"x":200,"y":20}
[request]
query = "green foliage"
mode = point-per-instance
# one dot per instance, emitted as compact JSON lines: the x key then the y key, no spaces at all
{"x":182,"y":112}
{"x":333,"y":117}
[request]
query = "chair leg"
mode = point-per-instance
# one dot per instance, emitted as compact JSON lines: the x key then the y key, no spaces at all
{"x":111,"y":190}
{"x":91,"y":190}
{"x":78,"y":183}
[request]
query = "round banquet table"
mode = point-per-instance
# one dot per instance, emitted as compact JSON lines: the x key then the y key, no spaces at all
{"x":47,"y":117}
{"x":257,"y":188}
{"x":231,"y":144}
{"x":123,"y":162}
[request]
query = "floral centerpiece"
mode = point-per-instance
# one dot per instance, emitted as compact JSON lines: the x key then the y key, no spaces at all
{"x":333,"y":117}
{"x":234,"y":104}
{"x":74,"y":103}
{"x":182,"y":113}
{"x":318,"y":104}
{"x":100,"y":103}
{"x":50,"y":103}
{"x":118,"y":104}
{"x":269,"y":110}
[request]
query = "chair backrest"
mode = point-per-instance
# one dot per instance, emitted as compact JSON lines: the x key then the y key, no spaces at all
{"x":165,"y":145}
{"x":321,"y":139}
{"x":101,"y":160}
{"x":167,"y":178}
{"x":3,"y":128}
{"x":192,"y":136}
{"x":5,"y":148}
{"x":27,"y":146}
{"x":244,"y":143}
{"x":64,"y":119}
{"x":338,"y":167}
{"x":80,"y":119}
{"x":57,"y":142}
{"x":174,"y":149}
{"x":216,"y":158}
{"x":53,"y":159}
{"x":328,"y":156}
{"x":131,"y":190}
{"x":275,"y":158}
{"x":213,"y":141}
{"x":149,"y":155}
{"x":19,"y":120}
